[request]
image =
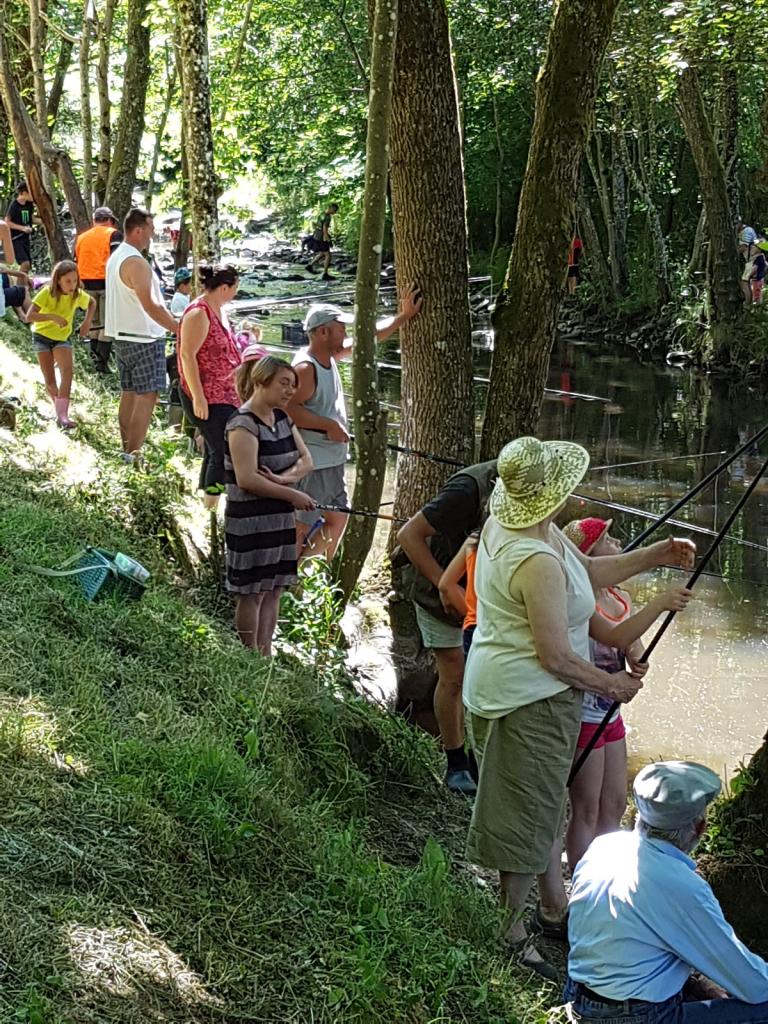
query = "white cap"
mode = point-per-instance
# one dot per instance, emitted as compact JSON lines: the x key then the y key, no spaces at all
{"x":322,"y":313}
{"x":670,"y":794}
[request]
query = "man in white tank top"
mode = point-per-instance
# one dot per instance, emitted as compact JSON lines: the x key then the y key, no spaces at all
{"x":137,"y":320}
{"x":319,"y":411}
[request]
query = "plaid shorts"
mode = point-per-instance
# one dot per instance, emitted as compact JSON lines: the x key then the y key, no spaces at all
{"x":141,"y":365}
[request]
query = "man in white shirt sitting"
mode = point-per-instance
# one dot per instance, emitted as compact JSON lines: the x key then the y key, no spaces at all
{"x":641,"y":920}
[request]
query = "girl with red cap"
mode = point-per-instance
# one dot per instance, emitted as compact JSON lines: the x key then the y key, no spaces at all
{"x":599,"y":791}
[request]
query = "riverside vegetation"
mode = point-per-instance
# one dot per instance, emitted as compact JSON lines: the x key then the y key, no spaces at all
{"x":189,"y":832}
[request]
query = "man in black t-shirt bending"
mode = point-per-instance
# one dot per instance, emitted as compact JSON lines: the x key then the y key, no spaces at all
{"x":431,"y":539}
{"x":20,"y":218}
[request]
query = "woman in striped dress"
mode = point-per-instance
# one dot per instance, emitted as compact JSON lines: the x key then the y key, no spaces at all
{"x":264,"y":459}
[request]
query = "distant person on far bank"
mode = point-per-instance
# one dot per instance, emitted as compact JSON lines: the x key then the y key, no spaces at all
{"x":641,"y":919}
{"x":137,"y":319}
{"x":182,"y":297}
{"x":746,"y":234}
{"x":21,"y":218}
{"x":319,"y":411}
{"x":93,"y":248}
{"x":321,"y":242}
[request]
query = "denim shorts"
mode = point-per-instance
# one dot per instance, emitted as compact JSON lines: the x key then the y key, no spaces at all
{"x":43,"y":344}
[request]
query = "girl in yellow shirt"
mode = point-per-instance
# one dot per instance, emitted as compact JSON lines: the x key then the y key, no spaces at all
{"x":51,"y":314}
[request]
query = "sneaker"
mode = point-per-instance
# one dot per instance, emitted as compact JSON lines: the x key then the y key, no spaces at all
{"x":525,"y":955}
{"x":327,"y":277}
{"x":460,"y":781}
{"x":557,"y":930}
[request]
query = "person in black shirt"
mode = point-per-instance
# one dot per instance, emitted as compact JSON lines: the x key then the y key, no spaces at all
{"x":431,"y":539}
{"x":20,"y":218}
{"x":321,"y":241}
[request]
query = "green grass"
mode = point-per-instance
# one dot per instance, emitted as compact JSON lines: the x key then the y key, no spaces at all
{"x":189,"y":833}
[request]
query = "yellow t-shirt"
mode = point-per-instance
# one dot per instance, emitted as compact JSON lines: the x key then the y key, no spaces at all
{"x":64,"y":305}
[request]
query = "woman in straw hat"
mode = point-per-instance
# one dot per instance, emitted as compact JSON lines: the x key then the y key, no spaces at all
{"x":528,"y":667}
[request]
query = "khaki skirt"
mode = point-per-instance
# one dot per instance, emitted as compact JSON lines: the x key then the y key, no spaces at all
{"x":524,"y":759}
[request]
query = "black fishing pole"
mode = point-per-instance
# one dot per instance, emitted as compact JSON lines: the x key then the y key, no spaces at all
{"x":360,"y":512}
{"x":670,"y":615}
{"x":712,"y":475}
{"x":693,"y":527}
{"x":651,"y":462}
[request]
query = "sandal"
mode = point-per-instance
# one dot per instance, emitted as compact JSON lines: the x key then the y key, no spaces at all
{"x":557,"y":930}
{"x":525,"y":954}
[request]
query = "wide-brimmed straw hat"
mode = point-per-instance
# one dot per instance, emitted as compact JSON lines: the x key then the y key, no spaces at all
{"x":535,"y":478}
{"x":585,"y":533}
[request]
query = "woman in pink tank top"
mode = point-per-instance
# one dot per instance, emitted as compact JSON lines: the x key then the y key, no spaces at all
{"x":208,"y":356}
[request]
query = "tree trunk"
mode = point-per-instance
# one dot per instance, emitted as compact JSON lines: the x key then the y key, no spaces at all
{"x":181,"y":250}
{"x":620,"y":216}
{"x":370,"y":420}
{"x":105,"y":105}
{"x":170,"y":92}
{"x":430,"y":230}
{"x":597,"y":170}
{"x":84,"y":57}
{"x":198,"y":137}
{"x":37,"y":44}
{"x":130,"y":125}
{"x":21,"y":125}
{"x":526,"y":309}
{"x":499,"y":179}
{"x":599,"y":273}
{"x":57,"y":85}
{"x":726,"y":301}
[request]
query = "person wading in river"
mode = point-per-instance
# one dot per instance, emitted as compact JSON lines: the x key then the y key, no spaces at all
{"x":319,"y":411}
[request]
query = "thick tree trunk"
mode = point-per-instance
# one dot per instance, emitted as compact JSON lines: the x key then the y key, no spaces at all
{"x":726,"y":301}
{"x":105,"y":105}
{"x":130,"y":125}
{"x":21,"y":125}
{"x":526,"y":309}
{"x":84,"y":57}
{"x":198,"y":137}
{"x":369,"y":419}
{"x":430,"y":229}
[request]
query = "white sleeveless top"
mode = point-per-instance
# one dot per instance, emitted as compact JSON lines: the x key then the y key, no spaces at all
{"x":503,"y":671}
{"x":124,"y":316}
{"x":327,"y":401}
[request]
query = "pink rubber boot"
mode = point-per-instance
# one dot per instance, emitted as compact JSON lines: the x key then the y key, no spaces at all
{"x":62,"y":413}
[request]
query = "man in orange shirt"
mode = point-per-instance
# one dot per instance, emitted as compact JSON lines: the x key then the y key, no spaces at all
{"x":92,"y":250}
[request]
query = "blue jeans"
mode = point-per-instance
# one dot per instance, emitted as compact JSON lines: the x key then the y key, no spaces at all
{"x":671,"y":1011}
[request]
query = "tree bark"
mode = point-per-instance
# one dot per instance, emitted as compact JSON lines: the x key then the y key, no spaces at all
{"x":57,"y":85}
{"x":600,"y":179}
{"x":526,"y":309}
{"x":726,"y":302}
{"x":130,"y":125}
{"x":105,"y":105}
{"x":21,"y":126}
{"x":170,"y":92}
{"x":599,"y":274}
{"x":84,"y":57}
{"x":198,"y":136}
{"x":370,"y":420}
{"x":430,"y":231}
{"x":499,"y":179}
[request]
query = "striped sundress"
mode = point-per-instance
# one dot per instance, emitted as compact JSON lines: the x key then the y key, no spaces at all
{"x":261,"y":532}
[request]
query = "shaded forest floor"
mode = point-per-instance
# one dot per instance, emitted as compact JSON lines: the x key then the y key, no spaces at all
{"x":189,"y":833}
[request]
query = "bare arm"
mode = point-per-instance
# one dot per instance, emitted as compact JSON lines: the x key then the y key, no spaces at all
{"x":85,"y":326}
{"x":410,"y":306}
{"x":19,"y":275}
{"x":303,"y":417}
{"x":194,"y":330}
{"x":609,"y":570}
{"x":624,"y":635}
{"x":137,"y":274}
{"x":34,"y":316}
{"x":452,"y":594}
{"x":20,"y":227}
{"x":298,"y":470}
{"x":413,"y":538}
{"x":541,"y":584}
{"x":244,"y":449}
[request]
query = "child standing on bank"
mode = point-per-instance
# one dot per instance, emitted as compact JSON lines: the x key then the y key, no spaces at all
{"x":52,"y":314}
{"x":599,"y":792}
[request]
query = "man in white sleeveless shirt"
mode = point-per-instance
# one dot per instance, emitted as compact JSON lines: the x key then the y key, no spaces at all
{"x":137,"y":320}
{"x":319,"y":411}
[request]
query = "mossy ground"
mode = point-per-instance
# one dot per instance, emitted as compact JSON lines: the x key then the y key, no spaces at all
{"x":189,"y":833}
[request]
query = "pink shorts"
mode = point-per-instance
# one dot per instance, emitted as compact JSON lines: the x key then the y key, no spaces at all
{"x":612,"y":733}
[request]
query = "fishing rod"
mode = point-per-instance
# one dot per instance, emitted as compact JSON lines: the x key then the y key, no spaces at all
{"x":670,"y":615}
{"x":712,"y":475}
{"x":657,"y":519}
{"x":360,"y":512}
{"x":651,"y":462}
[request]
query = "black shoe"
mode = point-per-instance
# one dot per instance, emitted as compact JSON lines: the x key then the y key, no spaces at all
{"x":327,"y":277}
{"x":524,"y":953}
{"x":311,"y":268}
{"x":460,"y":781}
{"x":557,"y":930}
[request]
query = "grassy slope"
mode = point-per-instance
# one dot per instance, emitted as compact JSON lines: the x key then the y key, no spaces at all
{"x":189,"y":833}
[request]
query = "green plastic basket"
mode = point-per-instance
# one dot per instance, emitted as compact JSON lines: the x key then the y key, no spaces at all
{"x":98,"y":576}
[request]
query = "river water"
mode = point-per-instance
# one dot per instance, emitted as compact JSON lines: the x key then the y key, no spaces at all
{"x":704,"y":694}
